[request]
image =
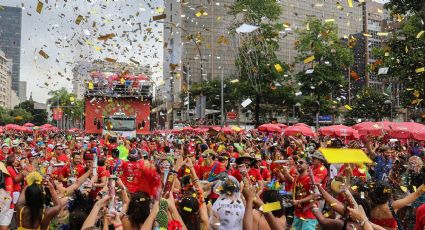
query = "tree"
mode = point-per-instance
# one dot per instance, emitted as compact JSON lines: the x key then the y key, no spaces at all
{"x":403,"y":7}
{"x":21,"y":116}
{"x":39,"y":115}
{"x":404,"y":55}
{"x":261,"y":74}
{"x":327,"y":57}
{"x":5,"y":117}
{"x":71,"y":107}
{"x":369,"y":104}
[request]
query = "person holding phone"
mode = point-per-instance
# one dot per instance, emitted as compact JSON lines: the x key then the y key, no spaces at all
{"x":245,"y":171}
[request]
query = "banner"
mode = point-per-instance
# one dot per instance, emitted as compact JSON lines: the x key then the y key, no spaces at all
{"x":96,"y":109}
{"x":57,"y":114}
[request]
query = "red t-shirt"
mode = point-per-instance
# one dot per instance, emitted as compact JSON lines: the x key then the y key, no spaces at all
{"x":79,"y":170}
{"x":254,"y":175}
{"x":8,"y":182}
{"x":130,"y":172}
{"x":265,"y":174}
{"x":101,"y":173}
{"x":204,"y":171}
{"x":322,"y":174}
{"x":289,"y":186}
{"x":13,"y":175}
{"x":302,"y":190}
{"x":356,"y":172}
{"x":289,"y":151}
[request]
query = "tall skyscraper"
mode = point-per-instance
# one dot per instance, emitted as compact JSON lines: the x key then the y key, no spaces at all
{"x":5,"y":90}
{"x":10,"y":40}
{"x":22,"y":91}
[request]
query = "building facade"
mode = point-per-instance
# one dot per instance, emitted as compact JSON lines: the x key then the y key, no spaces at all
{"x":5,"y":81}
{"x":22,"y":91}
{"x":10,"y":40}
{"x":198,"y":43}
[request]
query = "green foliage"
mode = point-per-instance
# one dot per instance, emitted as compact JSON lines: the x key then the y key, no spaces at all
{"x":254,"y":10}
{"x":331,"y":59}
{"x":39,"y":115}
{"x":369,"y":104}
{"x":405,"y":54}
{"x":415,"y":7}
{"x":259,"y":79}
{"x":62,"y":98}
{"x":21,"y":116}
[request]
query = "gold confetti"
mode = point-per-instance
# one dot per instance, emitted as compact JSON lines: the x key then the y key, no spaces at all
{"x":134,"y":61}
{"x":43,"y":54}
{"x":309,"y":59}
{"x":159,"y":10}
{"x":350,"y":3}
{"x":159,"y":17}
{"x":278,"y":68}
{"x":79,"y":19}
{"x":110,"y":59}
{"x":106,"y":37}
{"x":382,"y":34}
{"x":366,"y":34}
{"x":329,"y":20}
{"x":416,"y":93}
{"x":420,"y":34}
{"x":420,"y":70}
{"x":39,"y":7}
{"x":348,"y":107}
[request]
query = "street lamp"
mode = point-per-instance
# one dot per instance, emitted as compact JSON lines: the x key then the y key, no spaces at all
{"x":391,"y":107}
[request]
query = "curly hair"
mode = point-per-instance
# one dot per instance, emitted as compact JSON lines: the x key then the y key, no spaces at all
{"x":138,"y":209}
{"x":188,"y":209}
{"x":381,"y":193}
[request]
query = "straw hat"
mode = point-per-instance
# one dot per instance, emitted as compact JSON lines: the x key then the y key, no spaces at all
{"x":243,"y":156}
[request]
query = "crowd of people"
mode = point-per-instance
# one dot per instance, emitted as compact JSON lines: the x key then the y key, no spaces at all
{"x":219,"y":181}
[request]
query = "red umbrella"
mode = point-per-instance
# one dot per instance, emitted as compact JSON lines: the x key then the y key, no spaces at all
{"x":46,"y":126}
{"x":176,"y":131}
{"x":187,"y":129}
{"x":28,"y":125}
{"x":406,"y":130}
{"x":200,"y":130}
{"x":373,"y":128}
{"x":74,"y":130}
{"x":269,"y":128}
{"x":302,"y":124}
{"x":339,"y":131}
{"x":296,"y":130}
{"x":282,"y":126}
{"x":11,"y":126}
{"x":215,"y":128}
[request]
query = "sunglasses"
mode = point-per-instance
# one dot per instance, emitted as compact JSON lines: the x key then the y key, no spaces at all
{"x":300,"y":162}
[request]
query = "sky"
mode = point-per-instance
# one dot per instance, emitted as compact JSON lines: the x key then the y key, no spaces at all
{"x":55,"y":32}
